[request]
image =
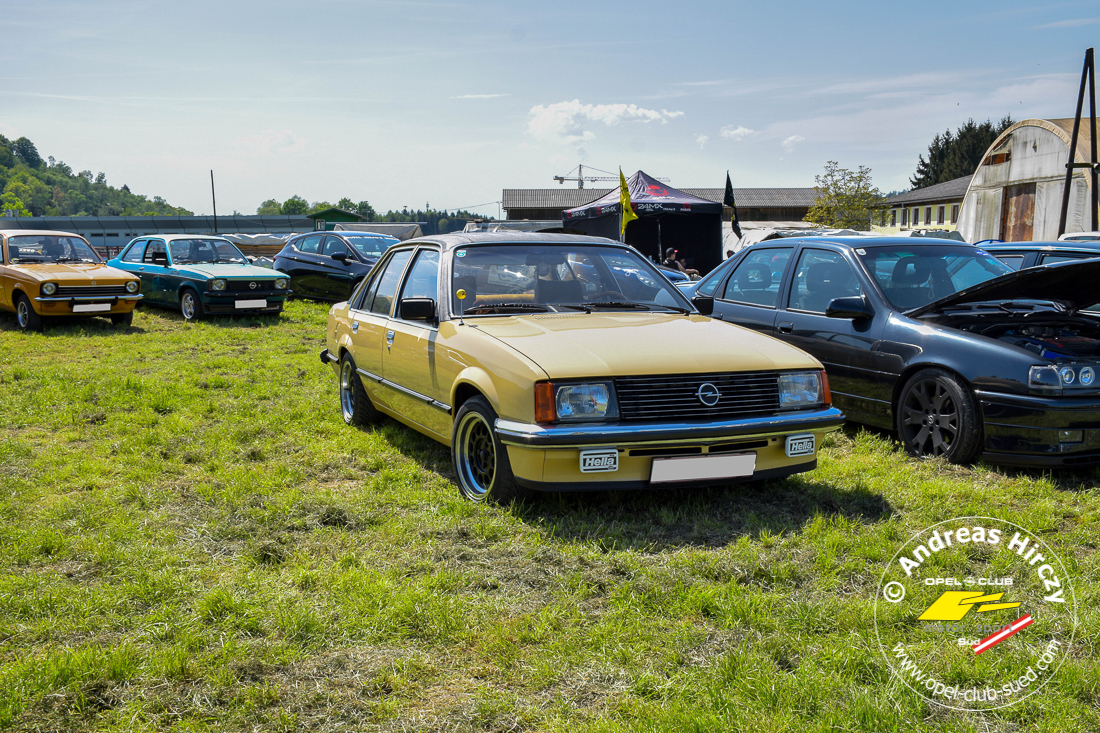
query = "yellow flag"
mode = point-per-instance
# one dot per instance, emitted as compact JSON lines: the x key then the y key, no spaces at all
{"x":624,"y":204}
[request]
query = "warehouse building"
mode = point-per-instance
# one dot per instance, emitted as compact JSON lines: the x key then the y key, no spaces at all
{"x":932,"y":207}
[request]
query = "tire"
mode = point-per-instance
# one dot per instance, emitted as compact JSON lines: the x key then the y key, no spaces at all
{"x":26,"y":316}
{"x":123,"y":319}
{"x":937,"y":416}
{"x":355,"y":405}
{"x":480,"y":459}
{"x":191,"y":306}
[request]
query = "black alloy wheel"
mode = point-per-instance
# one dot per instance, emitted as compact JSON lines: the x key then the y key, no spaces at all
{"x":937,"y":416}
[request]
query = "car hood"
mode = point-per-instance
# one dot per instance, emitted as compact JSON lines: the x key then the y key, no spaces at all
{"x":232,"y":272}
{"x":568,"y":345}
{"x":74,"y":273}
{"x":1071,"y":283}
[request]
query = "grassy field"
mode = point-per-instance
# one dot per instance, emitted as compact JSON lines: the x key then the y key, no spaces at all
{"x":191,"y":539}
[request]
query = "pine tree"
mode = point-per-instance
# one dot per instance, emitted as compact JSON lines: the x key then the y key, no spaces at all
{"x":952,"y":156}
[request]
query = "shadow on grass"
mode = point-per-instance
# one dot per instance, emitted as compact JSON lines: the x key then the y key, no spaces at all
{"x":70,"y":326}
{"x":219,"y":320}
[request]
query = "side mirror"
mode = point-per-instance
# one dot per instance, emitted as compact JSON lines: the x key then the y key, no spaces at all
{"x":854,"y":307}
{"x":416,"y":309}
{"x":340,"y":257}
{"x":704,"y":304}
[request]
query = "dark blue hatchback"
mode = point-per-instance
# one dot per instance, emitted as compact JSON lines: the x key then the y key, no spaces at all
{"x":328,"y":265}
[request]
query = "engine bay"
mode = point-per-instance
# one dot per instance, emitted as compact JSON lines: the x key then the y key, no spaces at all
{"x":1068,"y":337}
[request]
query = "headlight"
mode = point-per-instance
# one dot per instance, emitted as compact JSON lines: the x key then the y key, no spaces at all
{"x":132,"y":286}
{"x":218,"y":284}
{"x":1044,"y":379}
{"x":1088,"y":376}
{"x":592,"y":401}
{"x":49,"y":288}
{"x":801,"y":389}
{"x":1067,"y":374}
{"x":280,"y":284}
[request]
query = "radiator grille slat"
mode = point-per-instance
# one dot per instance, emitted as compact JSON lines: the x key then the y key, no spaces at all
{"x":87,"y":290}
{"x":244,"y":285}
{"x":676,"y":396}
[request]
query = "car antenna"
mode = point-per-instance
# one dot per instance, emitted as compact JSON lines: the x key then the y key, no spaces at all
{"x":461,"y":295}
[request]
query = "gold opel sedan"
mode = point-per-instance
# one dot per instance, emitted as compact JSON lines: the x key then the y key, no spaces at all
{"x":561,"y":363}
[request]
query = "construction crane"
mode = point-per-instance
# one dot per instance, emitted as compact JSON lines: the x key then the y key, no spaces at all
{"x":580,"y":178}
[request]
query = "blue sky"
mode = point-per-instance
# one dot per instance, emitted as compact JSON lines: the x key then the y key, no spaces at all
{"x":404,"y":103}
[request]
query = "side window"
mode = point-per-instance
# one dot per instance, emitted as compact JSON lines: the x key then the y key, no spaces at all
{"x":1051,"y":259}
{"x":362,"y":298}
{"x":134,"y":253}
{"x":387,"y":283}
{"x":155,"y":253}
{"x":423,"y":279}
{"x":1013,"y":261}
{"x":334,"y":245}
{"x":757,"y":277}
{"x":821,"y":276}
{"x":710,"y":282}
{"x":310,"y":245}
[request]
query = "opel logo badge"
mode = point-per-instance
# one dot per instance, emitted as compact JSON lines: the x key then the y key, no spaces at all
{"x":252,"y":285}
{"x":708,"y":394}
{"x":93,"y":282}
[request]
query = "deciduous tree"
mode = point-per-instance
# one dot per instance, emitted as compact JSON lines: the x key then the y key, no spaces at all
{"x":844,"y":199}
{"x":294,"y":206}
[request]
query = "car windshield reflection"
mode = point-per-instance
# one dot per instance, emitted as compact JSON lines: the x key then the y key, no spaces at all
{"x":510,"y":279}
{"x":205,"y":251}
{"x":911,"y":277}
{"x":370,"y":245}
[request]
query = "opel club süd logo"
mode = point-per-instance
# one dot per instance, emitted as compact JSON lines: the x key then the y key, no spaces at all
{"x":708,"y":394}
{"x":975,"y":613}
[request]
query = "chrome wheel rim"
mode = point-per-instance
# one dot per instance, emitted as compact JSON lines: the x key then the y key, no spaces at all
{"x":347,"y":388}
{"x":187,"y":305}
{"x":21,"y":313}
{"x":930,"y":419}
{"x":476,"y":454}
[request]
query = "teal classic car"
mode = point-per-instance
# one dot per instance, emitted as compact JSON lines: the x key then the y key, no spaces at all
{"x":202,"y":275}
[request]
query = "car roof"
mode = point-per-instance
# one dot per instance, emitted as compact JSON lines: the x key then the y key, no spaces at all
{"x":171,"y":237}
{"x":37,"y":233}
{"x":1061,"y":246}
{"x":863,"y":242}
{"x":512,"y":238}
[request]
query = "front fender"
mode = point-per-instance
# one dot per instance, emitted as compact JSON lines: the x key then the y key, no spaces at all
{"x":479,"y":379}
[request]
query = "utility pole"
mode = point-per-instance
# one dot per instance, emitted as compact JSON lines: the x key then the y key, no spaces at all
{"x":215,"y":200}
{"x":1088,"y":74}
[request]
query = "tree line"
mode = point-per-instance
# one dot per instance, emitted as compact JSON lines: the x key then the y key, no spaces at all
{"x":32,"y":186}
{"x":432,"y":221}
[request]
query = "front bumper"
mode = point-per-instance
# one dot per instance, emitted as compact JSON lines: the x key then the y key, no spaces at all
{"x":547,"y":457}
{"x":1024,"y":430}
{"x":63,"y":305}
{"x":225,"y":301}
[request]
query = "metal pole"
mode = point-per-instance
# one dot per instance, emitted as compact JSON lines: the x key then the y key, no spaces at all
{"x":580,"y":176}
{"x":1073,"y":145}
{"x":215,"y":200}
{"x":1092,"y":120}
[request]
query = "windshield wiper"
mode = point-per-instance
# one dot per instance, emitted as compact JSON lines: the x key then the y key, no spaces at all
{"x":625,"y":304}
{"x":70,"y":259}
{"x":497,"y":306}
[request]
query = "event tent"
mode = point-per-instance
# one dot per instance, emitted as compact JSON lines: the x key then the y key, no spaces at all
{"x":666,"y":218}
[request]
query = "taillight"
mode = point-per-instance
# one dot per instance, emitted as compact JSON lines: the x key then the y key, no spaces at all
{"x":544,"y":402}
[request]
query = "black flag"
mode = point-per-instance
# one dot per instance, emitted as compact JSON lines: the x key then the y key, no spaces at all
{"x":728,"y":201}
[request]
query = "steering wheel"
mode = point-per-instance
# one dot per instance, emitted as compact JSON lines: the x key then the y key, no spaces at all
{"x":611,"y":294}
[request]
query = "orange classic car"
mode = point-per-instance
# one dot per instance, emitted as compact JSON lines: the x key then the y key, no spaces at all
{"x":46,"y":273}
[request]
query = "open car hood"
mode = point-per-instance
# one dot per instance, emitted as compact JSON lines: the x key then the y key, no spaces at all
{"x":1073,"y":284}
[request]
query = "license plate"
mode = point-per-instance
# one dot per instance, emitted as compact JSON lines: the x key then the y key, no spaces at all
{"x":603,"y":460}
{"x":800,"y":445}
{"x":251,"y":303}
{"x":91,"y":307}
{"x":702,"y":468}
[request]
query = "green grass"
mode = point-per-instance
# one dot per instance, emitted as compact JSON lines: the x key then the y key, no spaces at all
{"x":191,"y":539}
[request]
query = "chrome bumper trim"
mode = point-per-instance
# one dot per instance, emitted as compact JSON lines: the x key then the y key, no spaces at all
{"x":404,"y":390}
{"x":67,"y":298}
{"x":574,"y":436}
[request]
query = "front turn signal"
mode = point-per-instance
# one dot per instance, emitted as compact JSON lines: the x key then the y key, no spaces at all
{"x":544,"y":402}
{"x":826,"y":395}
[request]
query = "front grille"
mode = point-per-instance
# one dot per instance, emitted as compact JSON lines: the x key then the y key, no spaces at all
{"x":73,"y":291}
{"x":243,"y":285}
{"x":675,"y":396}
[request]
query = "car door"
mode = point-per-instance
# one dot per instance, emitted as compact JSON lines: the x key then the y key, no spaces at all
{"x":5,"y":275}
{"x":153,"y":272}
{"x":860,"y":380}
{"x":370,"y":320}
{"x":305,"y":262}
{"x":750,"y":295}
{"x":336,"y":278}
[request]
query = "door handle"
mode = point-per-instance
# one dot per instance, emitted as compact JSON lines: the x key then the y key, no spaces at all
{"x":389,"y":339}
{"x":785,"y":327}
{"x":355,"y":326}
{"x":141,"y":268}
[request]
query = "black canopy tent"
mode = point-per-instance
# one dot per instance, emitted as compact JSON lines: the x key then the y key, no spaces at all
{"x":666,"y":218}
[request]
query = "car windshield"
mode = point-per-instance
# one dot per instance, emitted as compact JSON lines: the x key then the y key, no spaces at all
{"x":39,"y":248}
{"x":370,"y":245}
{"x":193,"y":251}
{"x":560,"y":277}
{"x":911,"y":277}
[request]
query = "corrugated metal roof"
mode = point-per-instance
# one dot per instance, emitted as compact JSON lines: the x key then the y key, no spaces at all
{"x":571,"y":198}
{"x":955,"y":189}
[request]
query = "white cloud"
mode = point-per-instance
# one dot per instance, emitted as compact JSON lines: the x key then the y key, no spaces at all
{"x":565,"y":122}
{"x":702,"y":140}
{"x":479,"y":96}
{"x":790,"y":142}
{"x":736,"y":133}
{"x":271,"y":141}
{"x":1075,"y":23}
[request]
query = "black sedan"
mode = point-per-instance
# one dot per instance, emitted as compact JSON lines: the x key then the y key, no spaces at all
{"x":328,"y":265}
{"x":943,"y":343}
{"x":1021,"y":255}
